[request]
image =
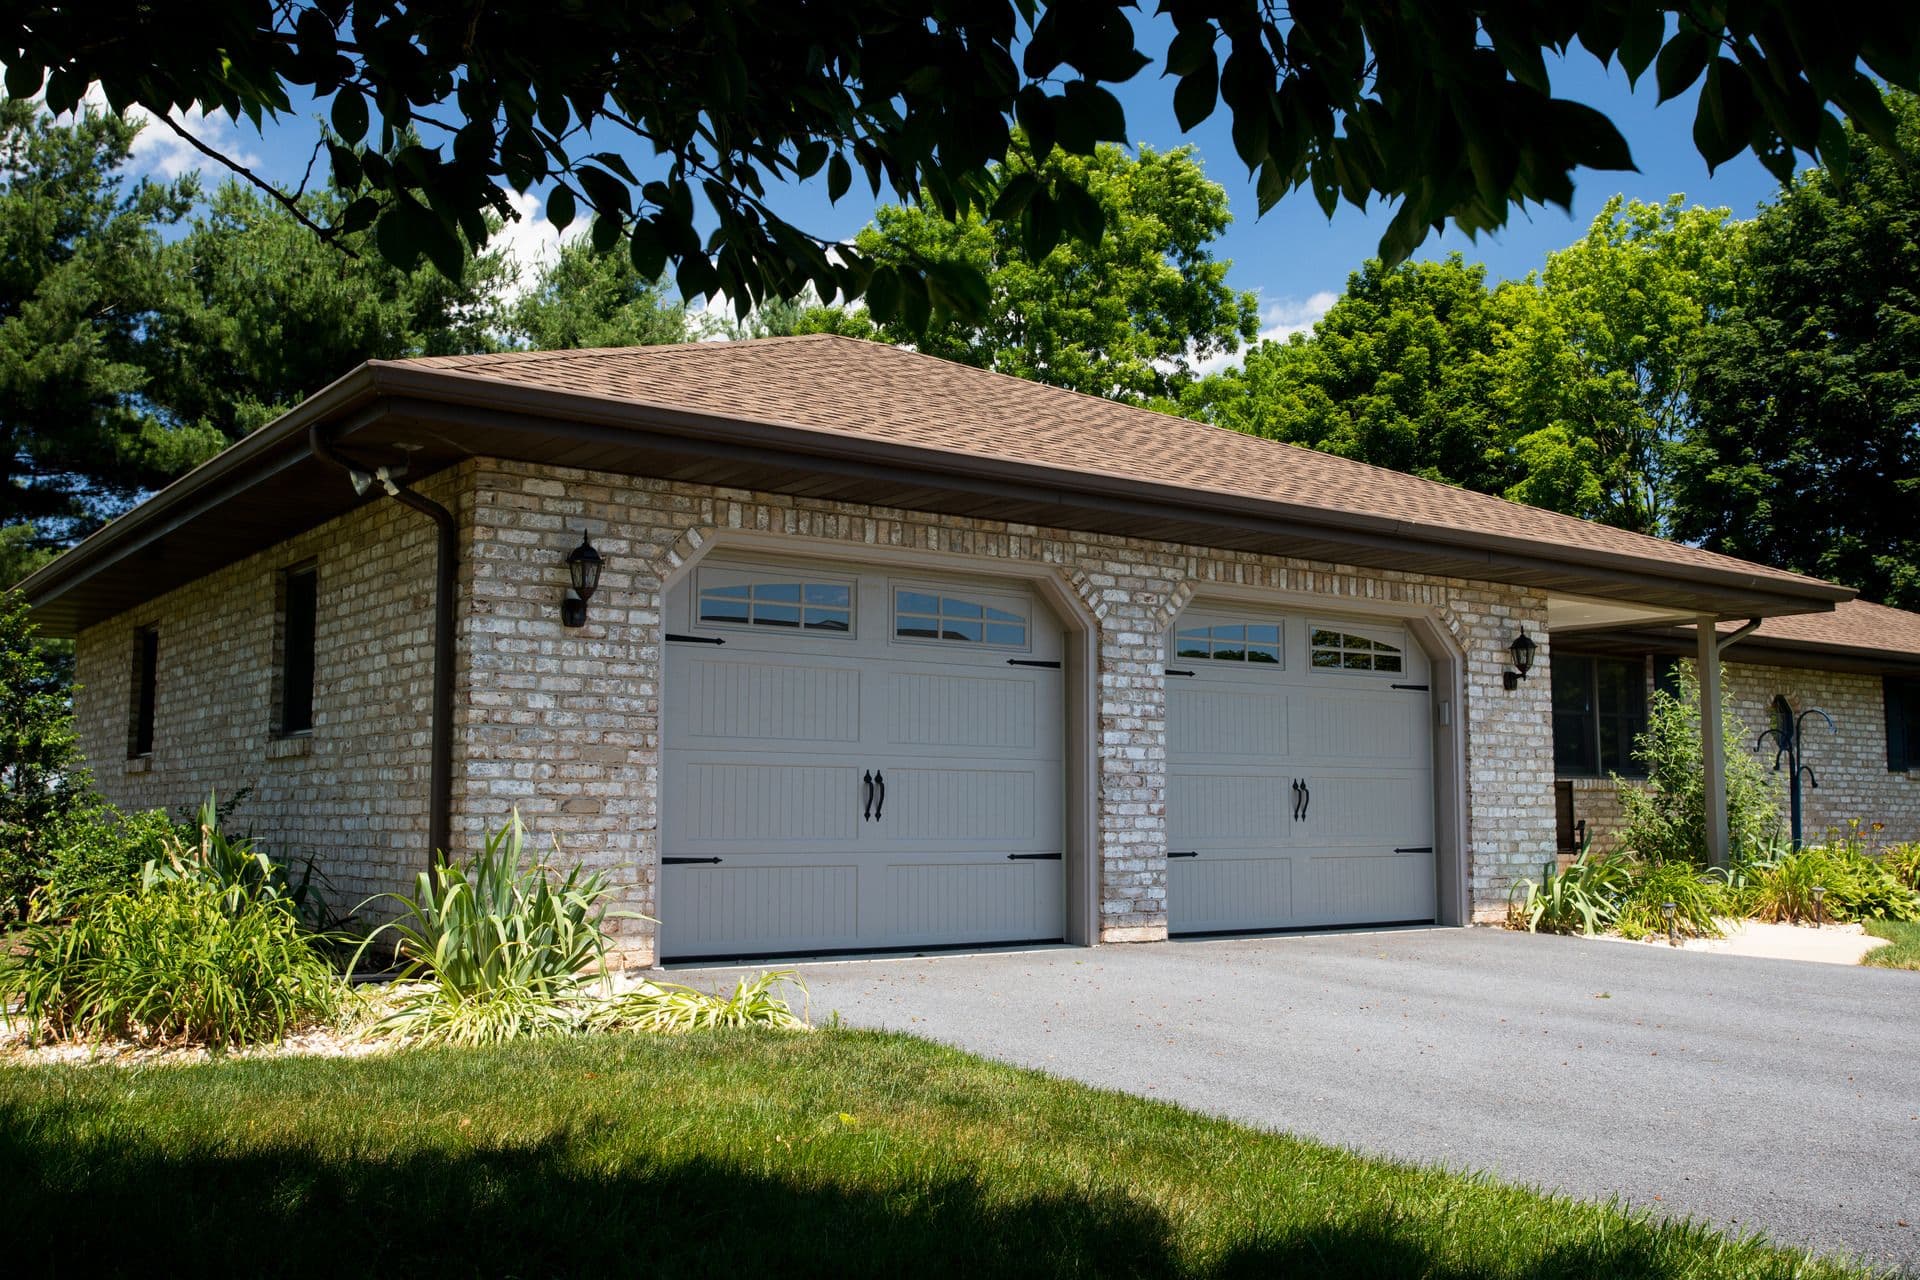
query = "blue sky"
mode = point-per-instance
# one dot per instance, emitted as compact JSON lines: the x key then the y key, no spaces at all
{"x":1294,"y":258}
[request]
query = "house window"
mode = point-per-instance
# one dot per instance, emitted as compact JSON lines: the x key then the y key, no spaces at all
{"x":1599,"y":709}
{"x":1230,"y":642}
{"x":146,"y":662}
{"x":800,"y":606}
{"x":928,"y":615}
{"x":1345,"y":651}
{"x":299,"y":607}
{"x":1903,"y":723}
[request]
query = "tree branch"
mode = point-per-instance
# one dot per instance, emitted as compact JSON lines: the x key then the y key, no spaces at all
{"x":285,"y":201}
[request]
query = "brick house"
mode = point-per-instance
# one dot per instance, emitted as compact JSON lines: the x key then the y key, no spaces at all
{"x":883,"y":651}
{"x":1860,"y":664}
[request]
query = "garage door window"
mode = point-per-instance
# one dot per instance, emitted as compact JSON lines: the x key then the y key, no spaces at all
{"x":798,"y":606}
{"x":1345,"y":651}
{"x":1230,"y":642}
{"x":931,"y":615}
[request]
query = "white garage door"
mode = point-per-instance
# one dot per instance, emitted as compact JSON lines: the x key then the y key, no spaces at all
{"x":1300,"y":789}
{"x":858,"y":760}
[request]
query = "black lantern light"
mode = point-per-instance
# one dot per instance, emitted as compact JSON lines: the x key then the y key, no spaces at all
{"x":583,"y":571}
{"x":1523,"y":649}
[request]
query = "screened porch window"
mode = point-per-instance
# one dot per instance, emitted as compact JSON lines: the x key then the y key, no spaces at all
{"x":1599,"y":709}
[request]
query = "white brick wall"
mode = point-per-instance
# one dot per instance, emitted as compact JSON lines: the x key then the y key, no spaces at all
{"x":564,"y":723}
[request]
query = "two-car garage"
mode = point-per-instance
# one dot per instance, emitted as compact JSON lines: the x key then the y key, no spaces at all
{"x":867,"y":758}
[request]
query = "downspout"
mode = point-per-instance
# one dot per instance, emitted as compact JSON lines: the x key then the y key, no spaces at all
{"x":446,"y":566}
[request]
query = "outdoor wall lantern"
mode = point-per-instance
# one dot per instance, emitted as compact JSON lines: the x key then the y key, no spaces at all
{"x":583,"y":571}
{"x":1523,"y":649}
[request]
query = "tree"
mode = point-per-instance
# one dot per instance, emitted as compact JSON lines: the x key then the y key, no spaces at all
{"x":1126,"y":317}
{"x":42,"y":776}
{"x":1664,"y":818}
{"x":256,"y":314}
{"x":82,"y":277}
{"x":1446,"y":106}
{"x":1399,"y":373}
{"x":1600,"y":351}
{"x":587,"y":298}
{"x":1807,"y":449}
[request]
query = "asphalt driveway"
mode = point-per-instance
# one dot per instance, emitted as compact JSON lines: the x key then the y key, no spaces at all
{"x":1753,"y":1094}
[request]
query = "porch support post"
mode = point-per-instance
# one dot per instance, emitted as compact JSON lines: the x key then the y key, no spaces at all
{"x":1713,"y":749}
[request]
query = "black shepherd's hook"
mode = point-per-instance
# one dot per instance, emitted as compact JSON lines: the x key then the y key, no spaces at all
{"x":1787,"y":732}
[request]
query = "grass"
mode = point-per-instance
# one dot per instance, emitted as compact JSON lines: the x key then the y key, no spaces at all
{"x":1904,"y":953}
{"x":745,"y":1153}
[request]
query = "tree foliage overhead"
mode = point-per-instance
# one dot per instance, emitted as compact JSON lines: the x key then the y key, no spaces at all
{"x":1446,"y":106}
{"x":1128,"y":317}
{"x":1807,"y":449}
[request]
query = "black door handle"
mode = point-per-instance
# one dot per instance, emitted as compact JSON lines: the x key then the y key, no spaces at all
{"x":1296,"y":799}
{"x":880,"y":781}
{"x":1306,"y":799}
{"x":866,"y":814}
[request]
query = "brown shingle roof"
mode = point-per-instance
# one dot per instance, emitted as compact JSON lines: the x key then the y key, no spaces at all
{"x":847,"y":387}
{"x":1856,"y":625}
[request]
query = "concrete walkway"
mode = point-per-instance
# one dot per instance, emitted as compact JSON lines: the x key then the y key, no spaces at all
{"x":1753,"y":1094}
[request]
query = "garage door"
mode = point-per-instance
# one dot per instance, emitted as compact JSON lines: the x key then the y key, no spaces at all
{"x":858,"y":760}
{"x":1300,"y":788}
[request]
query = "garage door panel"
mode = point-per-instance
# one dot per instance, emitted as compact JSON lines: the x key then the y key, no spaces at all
{"x":1357,"y":888}
{"x":975,"y":901}
{"x":963,"y":806}
{"x":741,"y":906}
{"x":1229,"y":806}
{"x":740,"y":803}
{"x":1367,"y":809}
{"x":1220,"y":890}
{"x":930,"y":709}
{"x":768,"y":701}
{"x":1359,"y":725}
{"x":1244,"y":723}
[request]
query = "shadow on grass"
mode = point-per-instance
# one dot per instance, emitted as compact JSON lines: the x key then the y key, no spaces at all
{"x":114,"y":1208}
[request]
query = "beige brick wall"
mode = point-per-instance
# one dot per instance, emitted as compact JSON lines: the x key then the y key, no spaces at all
{"x":354,"y":791}
{"x":565,"y":723}
{"x":1851,"y":764}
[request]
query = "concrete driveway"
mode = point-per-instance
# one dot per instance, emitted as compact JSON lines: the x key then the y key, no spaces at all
{"x":1753,"y":1094}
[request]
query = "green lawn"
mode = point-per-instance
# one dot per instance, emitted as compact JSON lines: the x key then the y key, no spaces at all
{"x":1905,"y":951}
{"x":740,"y":1155}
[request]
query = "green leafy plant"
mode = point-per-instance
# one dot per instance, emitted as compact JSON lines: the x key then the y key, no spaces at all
{"x":506,"y":949}
{"x":234,"y":867}
{"x":1857,"y":887}
{"x":1664,"y":816}
{"x":1700,"y":900}
{"x":42,"y":777}
{"x":668,"y":1008}
{"x":1902,"y":862}
{"x":172,"y":961}
{"x":1583,"y":897}
{"x":102,"y":851}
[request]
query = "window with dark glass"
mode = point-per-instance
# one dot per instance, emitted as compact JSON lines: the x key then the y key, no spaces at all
{"x":1230,"y":642}
{"x":930,"y":615}
{"x":299,"y":607}
{"x":146,"y":663}
{"x":1599,"y":709}
{"x":1903,"y":723}
{"x":803,"y":606}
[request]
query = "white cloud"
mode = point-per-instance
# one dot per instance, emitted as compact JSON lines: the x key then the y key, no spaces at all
{"x":530,"y":240}
{"x":159,"y":151}
{"x":1278,"y":322}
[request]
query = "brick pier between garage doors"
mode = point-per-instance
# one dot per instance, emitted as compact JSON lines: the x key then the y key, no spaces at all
{"x":759,"y":745}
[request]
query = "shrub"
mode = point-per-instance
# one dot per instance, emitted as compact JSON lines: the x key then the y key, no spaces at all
{"x":102,"y":851}
{"x":171,"y":961}
{"x":1902,"y":862}
{"x":1584,"y":897}
{"x":42,"y":779}
{"x":668,"y":1008}
{"x":1857,"y":887}
{"x":235,"y":869}
{"x":1664,"y":817}
{"x":1699,"y":901}
{"x":507,"y":950}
